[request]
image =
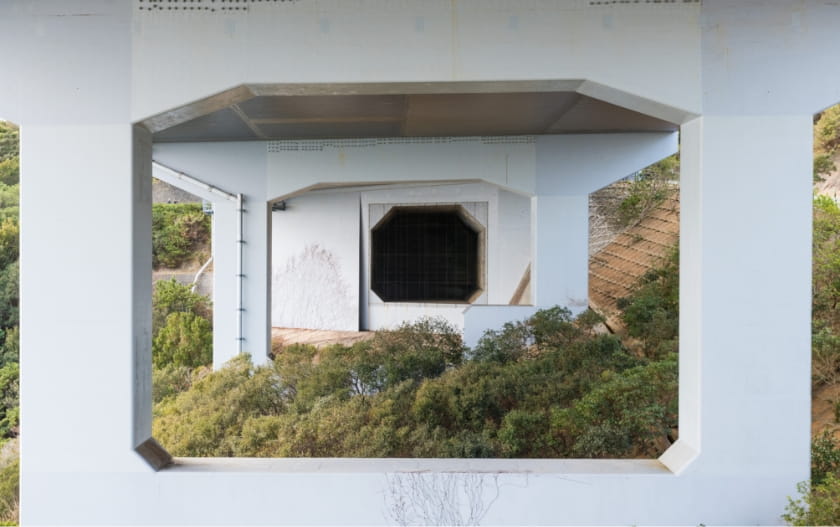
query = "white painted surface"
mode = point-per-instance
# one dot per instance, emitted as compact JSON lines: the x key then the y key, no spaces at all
{"x":321,"y":252}
{"x":315,"y":269}
{"x":513,"y":251}
{"x":755,"y":70}
{"x":561,"y":265}
{"x":390,"y":315}
{"x":296,"y":165}
{"x":327,"y":41}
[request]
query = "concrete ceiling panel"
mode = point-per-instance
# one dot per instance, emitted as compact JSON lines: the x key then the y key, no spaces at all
{"x":221,"y":125}
{"x":263,"y":114}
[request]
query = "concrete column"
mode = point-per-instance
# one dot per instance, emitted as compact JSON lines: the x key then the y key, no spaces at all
{"x":78,"y":306}
{"x":745,"y":298}
{"x":560,"y":274}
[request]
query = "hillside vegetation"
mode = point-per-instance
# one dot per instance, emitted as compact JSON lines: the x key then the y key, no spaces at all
{"x":826,"y":142}
{"x":180,"y":234}
{"x":9,"y":334}
{"x":549,"y":386}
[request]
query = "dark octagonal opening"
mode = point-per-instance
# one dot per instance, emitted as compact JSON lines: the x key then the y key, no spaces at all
{"x":425,"y":254}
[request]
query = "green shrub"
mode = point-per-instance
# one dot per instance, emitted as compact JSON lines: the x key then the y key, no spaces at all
{"x":826,"y":264}
{"x":414,"y":392}
{"x":9,"y":493}
{"x":626,"y":415}
{"x":547,"y":329}
{"x":825,"y":457}
{"x":10,"y":171}
{"x":177,"y":231}
{"x":9,"y":350}
{"x":170,"y":296}
{"x":9,"y":140}
{"x":523,"y":433}
{"x":651,"y":312}
{"x":171,"y":380}
{"x":9,"y":295}
{"x":9,"y":203}
{"x":823,"y":166}
{"x":207,"y":419}
{"x":9,"y":399}
{"x":185,"y":340}
{"x":413,"y":351}
{"x":9,"y":241}
{"x":827,"y":131}
{"x":825,"y":356}
{"x":816,"y":505}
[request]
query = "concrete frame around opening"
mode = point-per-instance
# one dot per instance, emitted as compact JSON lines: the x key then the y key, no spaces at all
{"x":676,"y":469}
{"x":674,"y":461}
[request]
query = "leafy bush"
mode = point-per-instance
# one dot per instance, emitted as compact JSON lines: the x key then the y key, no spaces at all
{"x":9,"y":203}
{"x":9,"y":491}
{"x":826,"y":262}
{"x":171,"y":380}
{"x":825,"y":356}
{"x":825,"y":458}
{"x":9,"y":399}
{"x":627,"y":415}
{"x":416,"y":392}
{"x":9,"y":241}
{"x":827,"y":131}
{"x":9,"y":295}
{"x":651,"y":312}
{"x":548,"y":386}
{"x":9,"y":141}
{"x":823,"y":166}
{"x":178,"y":229}
{"x":170,"y":296}
{"x":545,"y":330}
{"x":10,"y":350}
{"x":826,"y":292}
{"x":817,"y":504}
{"x":10,"y":171}
{"x":415,"y":351}
{"x":185,"y":340}
{"x":207,"y":419}
{"x":523,"y":432}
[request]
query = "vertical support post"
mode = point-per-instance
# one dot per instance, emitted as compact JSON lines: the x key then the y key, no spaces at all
{"x":561,"y":232}
{"x":85,"y":300}
{"x":745,"y":297}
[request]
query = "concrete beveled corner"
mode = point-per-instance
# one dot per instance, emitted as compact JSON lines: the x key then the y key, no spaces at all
{"x":155,"y":455}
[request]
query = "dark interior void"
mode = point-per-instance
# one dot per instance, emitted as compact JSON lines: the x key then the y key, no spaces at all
{"x":424,"y":255}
